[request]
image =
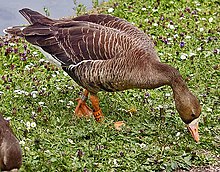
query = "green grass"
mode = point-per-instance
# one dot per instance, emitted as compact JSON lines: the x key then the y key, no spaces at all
{"x":148,"y":142}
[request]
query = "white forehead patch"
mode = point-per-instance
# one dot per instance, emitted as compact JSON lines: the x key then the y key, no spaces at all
{"x":194,"y":122}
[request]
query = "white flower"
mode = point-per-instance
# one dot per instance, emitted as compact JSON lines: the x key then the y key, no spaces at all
{"x":177,"y":134}
{"x":17,"y":91}
{"x":209,"y":109}
{"x":201,"y":29}
{"x":210,"y":20}
{"x":53,"y":75}
{"x":1,"y":92}
{"x":35,"y":53}
{"x":70,"y":103}
{"x":22,"y":142}
{"x":47,"y":151}
{"x":27,"y":67}
{"x":70,"y":141}
{"x":188,"y":37}
{"x":58,"y":88}
{"x":115,"y":162}
{"x":7,"y":118}
{"x":110,"y":10}
{"x":41,"y":103}
{"x":191,"y":54}
{"x":44,"y":89}
{"x":28,"y":125}
{"x":65,"y":74}
{"x":11,"y":44}
{"x":24,"y":92}
{"x":171,"y":26}
{"x":154,"y":10}
{"x":167,"y":148}
{"x":169,"y":39}
{"x":33,"y":125}
{"x":167,"y":95}
{"x":143,"y":9}
{"x":160,"y":106}
{"x":146,"y":20}
{"x":27,"y":148}
{"x":155,"y":24}
{"x":203,"y":19}
{"x":183,"y":56}
{"x":34,"y":94}
{"x":199,"y":49}
{"x":153,"y":37}
{"x":61,"y":101}
{"x":175,"y":36}
{"x":142,"y":145}
{"x":41,"y":60}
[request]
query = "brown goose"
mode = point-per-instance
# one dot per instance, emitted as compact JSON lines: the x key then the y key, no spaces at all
{"x":10,"y":150}
{"x":102,"y":52}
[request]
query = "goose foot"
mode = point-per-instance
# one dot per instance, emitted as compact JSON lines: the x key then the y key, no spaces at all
{"x":97,"y":113}
{"x":82,"y":110}
{"x":99,"y":117}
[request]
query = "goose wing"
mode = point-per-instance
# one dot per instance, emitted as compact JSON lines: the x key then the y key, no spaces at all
{"x":71,"y":42}
{"x":123,"y":26}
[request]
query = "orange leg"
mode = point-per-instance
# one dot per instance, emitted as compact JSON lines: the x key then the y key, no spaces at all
{"x":82,"y":109}
{"x":97,"y":110}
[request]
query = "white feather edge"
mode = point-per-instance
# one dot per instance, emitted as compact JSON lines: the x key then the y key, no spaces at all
{"x":49,"y":56}
{"x":194,"y":122}
{"x":10,"y":27}
{"x":84,"y":61}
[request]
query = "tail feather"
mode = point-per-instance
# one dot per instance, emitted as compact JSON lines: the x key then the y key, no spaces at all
{"x":39,"y":24}
{"x":42,"y":33}
{"x":37,"y":29}
{"x":15,"y":30}
{"x":35,"y":17}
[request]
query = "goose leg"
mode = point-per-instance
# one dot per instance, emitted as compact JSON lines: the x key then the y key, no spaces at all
{"x":82,"y":109}
{"x":97,"y":110}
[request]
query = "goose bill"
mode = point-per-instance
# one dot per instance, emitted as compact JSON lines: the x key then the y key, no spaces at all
{"x":193,"y":127}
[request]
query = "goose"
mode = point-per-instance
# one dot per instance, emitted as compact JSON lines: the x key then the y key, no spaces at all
{"x":10,"y":150}
{"x":105,"y":53}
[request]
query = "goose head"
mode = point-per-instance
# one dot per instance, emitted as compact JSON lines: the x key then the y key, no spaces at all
{"x":189,"y":110}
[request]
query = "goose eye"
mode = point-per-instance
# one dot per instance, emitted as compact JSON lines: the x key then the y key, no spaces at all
{"x":193,"y":115}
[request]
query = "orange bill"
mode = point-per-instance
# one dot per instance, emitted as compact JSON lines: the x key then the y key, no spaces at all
{"x":193,"y":127}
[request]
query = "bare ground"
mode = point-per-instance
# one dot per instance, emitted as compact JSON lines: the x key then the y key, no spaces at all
{"x":202,"y":169}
